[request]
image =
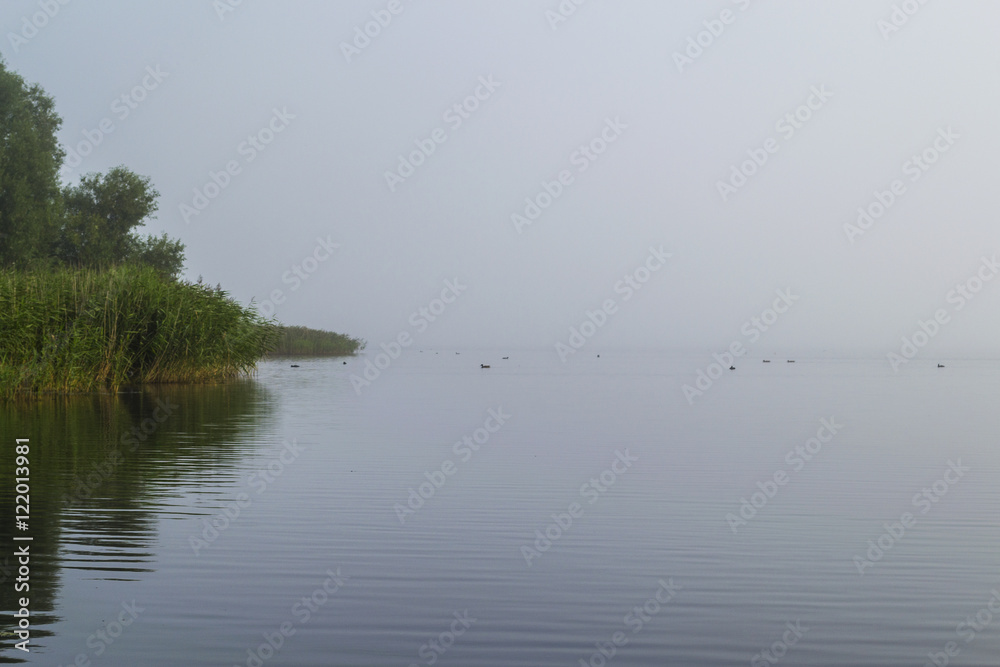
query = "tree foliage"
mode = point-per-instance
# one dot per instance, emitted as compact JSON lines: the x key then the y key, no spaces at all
{"x":101,"y":213}
{"x":30,"y":157}
{"x":162,"y":253}
{"x":88,"y":225}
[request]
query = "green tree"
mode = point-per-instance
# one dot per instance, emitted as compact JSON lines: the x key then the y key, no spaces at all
{"x":90,"y":224}
{"x":100,"y":214}
{"x":162,"y":253}
{"x":30,"y":158}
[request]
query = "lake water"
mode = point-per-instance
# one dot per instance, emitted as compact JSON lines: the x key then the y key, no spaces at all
{"x":366,"y":530}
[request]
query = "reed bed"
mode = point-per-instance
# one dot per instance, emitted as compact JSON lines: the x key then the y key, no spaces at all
{"x":80,"y":330}
{"x":303,"y":341}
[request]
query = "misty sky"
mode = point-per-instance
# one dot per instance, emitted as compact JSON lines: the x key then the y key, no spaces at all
{"x":300,"y":116}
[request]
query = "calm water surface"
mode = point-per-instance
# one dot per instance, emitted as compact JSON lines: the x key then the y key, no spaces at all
{"x":192,"y":525}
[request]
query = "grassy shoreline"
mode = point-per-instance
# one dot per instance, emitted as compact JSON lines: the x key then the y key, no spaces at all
{"x":306,"y":342}
{"x":88,"y":304}
{"x":69,"y":330}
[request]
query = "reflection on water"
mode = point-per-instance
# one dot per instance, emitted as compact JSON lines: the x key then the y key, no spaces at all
{"x":101,"y":466}
{"x":262,"y":523}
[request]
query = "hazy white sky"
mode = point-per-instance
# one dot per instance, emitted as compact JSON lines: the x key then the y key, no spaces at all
{"x":299,"y":115}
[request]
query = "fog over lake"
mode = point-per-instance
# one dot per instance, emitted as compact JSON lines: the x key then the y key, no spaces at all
{"x":681,"y":336}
